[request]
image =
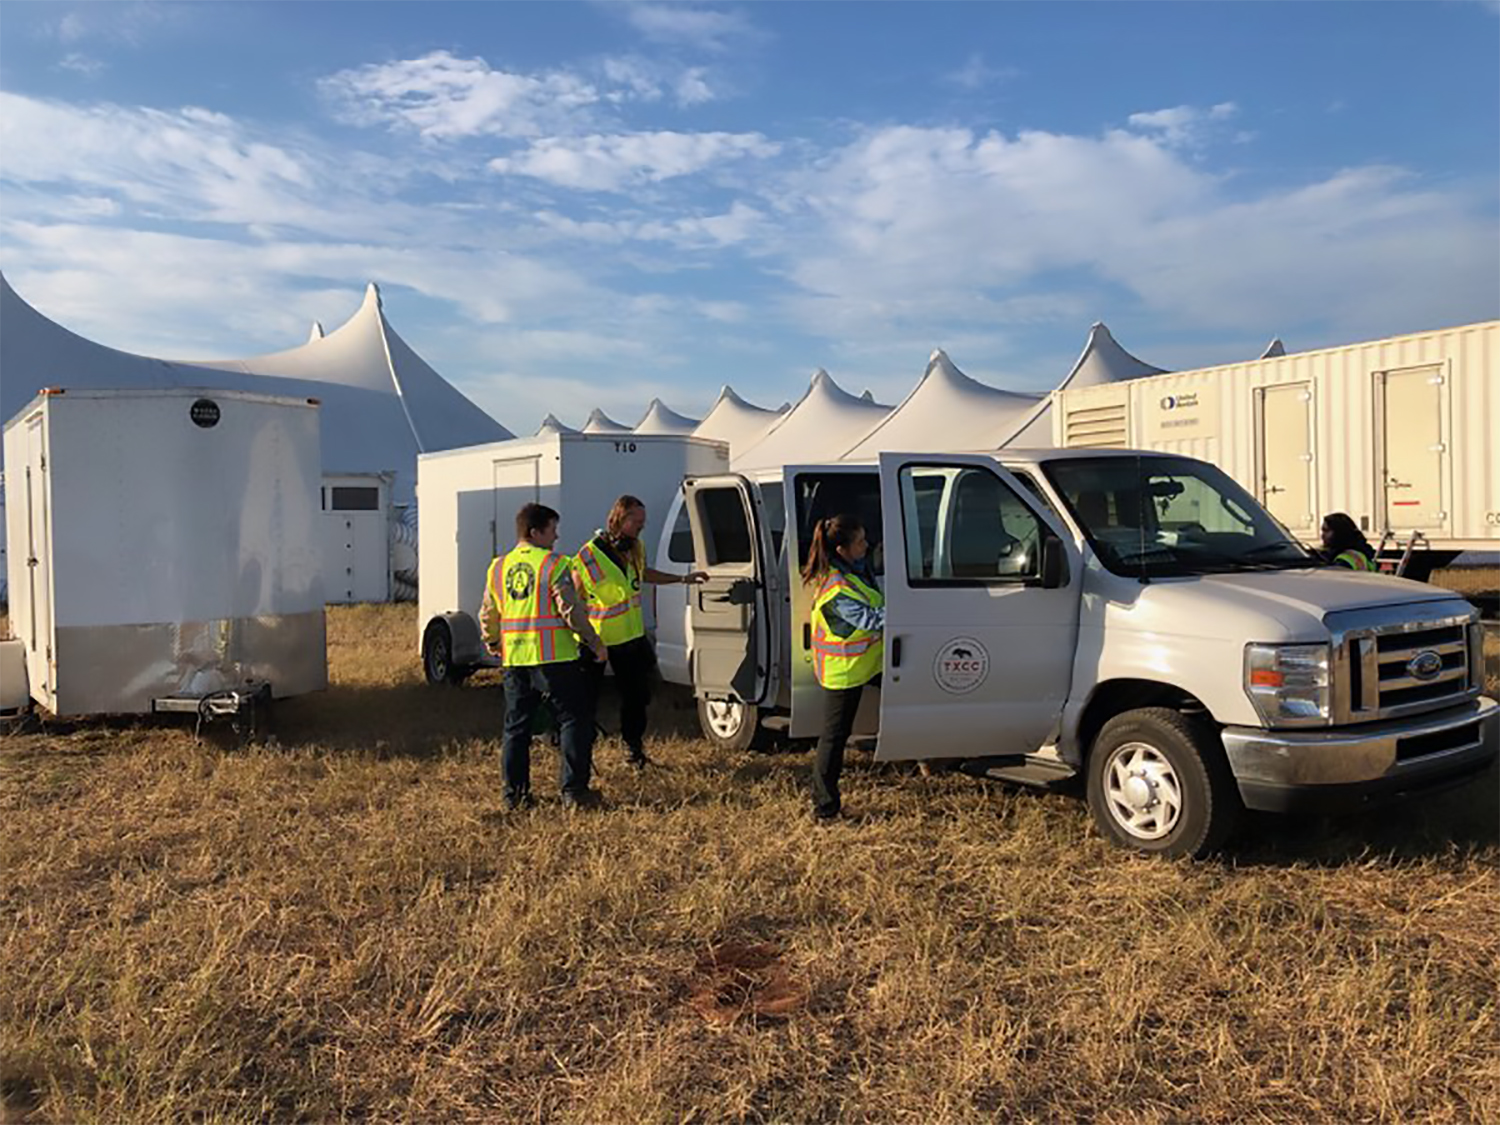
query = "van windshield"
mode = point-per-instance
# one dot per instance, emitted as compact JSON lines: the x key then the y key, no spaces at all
{"x":1157,"y":516}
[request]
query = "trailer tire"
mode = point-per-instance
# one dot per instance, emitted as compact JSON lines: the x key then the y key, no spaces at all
{"x":1158,"y":782}
{"x":437,"y":656}
{"x":729,"y":725}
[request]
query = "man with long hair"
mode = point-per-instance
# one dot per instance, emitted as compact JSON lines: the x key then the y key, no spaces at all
{"x":611,"y":569}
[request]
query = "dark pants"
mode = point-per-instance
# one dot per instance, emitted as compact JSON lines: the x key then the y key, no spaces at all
{"x":633,"y":663}
{"x":571,"y":692}
{"x":840,"y":706}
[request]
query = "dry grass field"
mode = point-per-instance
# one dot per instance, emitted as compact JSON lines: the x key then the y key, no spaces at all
{"x":338,"y":925}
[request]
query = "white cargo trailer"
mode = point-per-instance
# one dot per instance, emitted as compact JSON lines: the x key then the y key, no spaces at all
{"x":1400,"y":433}
{"x":469,"y":498}
{"x":165,"y":548}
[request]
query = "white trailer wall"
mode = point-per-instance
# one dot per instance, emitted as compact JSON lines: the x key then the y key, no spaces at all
{"x":172,"y":556}
{"x":469,"y":499}
{"x":1400,"y":433}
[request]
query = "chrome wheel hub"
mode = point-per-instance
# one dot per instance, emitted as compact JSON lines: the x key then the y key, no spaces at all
{"x":1142,"y":791}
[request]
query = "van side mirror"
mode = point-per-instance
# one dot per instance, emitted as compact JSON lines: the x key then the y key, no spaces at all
{"x":1054,"y":563}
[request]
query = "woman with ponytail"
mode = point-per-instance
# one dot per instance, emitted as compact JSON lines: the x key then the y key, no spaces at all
{"x":848,"y":623}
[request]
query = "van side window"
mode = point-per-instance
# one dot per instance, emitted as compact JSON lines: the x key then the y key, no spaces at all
{"x":964,"y":525}
{"x":680,"y":546}
{"x":726,"y":526}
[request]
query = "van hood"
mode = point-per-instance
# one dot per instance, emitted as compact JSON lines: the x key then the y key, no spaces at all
{"x":1272,"y":605}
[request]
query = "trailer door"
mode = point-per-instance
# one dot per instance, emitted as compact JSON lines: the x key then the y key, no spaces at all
{"x":813,"y":493}
{"x":733,"y":646}
{"x":978,"y":655}
{"x":1286,"y":453}
{"x":1412,"y":448}
{"x":38,"y":621}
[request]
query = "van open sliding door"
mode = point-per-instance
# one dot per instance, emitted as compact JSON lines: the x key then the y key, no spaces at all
{"x":733,"y":649}
{"x":1413,"y":448}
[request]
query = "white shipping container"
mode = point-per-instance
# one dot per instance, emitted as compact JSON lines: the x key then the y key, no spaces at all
{"x":164,"y":546}
{"x":356,"y":527}
{"x":469,"y":498}
{"x":1400,"y":433}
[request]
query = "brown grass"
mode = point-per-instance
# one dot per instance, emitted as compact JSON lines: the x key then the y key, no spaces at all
{"x":338,"y":926}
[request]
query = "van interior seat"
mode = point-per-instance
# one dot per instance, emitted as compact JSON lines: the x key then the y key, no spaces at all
{"x":979,"y":538}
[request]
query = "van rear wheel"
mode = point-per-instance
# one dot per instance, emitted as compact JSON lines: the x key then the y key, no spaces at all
{"x":729,"y":724}
{"x":1158,"y":782}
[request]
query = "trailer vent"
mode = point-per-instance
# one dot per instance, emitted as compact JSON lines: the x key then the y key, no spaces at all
{"x":1096,"y":427}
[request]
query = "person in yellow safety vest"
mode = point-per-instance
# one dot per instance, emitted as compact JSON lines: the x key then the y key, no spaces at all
{"x":534,"y":620}
{"x":848,"y":627}
{"x":611,"y":568}
{"x":1344,"y":544}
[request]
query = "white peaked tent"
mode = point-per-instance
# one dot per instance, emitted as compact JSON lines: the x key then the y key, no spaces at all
{"x":1101,"y":361}
{"x":826,"y":421}
{"x":381,"y":403}
{"x":736,"y":421}
{"x":946,"y":412}
{"x":661,"y":419}
{"x":316,"y":332}
{"x":599,"y":422}
{"x":1274,"y":349}
{"x":550,"y":425}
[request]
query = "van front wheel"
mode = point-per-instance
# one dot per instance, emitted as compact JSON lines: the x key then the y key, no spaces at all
{"x":1158,"y":782}
{"x":729,"y":724}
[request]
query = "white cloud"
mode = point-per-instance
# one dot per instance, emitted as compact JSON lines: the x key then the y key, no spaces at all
{"x":692,"y":87}
{"x":442,"y":96}
{"x":707,"y":29}
{"x":613,"y":163}
{"x":79,"y":63}
{"x":974,"y":74}
{"x":1183,"y":125}
{"x":126,"y":24}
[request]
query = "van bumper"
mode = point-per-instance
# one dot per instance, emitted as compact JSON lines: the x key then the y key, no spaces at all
{"x":1338,"y":770}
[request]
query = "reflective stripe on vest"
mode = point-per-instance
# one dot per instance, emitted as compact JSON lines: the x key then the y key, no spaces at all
{"x":846,"y":662}
{"x":531,"y":630}
{"x":613,"y":595}
{"x":1354,"y":560}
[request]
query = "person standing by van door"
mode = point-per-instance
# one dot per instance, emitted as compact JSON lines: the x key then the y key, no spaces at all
{"x":611,"y":568}
{"x":1344,"y":544}
{"x":848,"y":626}
{"x":534,"y":620}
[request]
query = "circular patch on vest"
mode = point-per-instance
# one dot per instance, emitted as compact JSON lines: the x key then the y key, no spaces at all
{"x":961,"y":665}
{"x":520,"y":580}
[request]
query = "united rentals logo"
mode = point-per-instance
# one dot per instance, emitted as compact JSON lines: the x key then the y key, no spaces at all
{"x":961,"y":665}
{"x":520,"y":580}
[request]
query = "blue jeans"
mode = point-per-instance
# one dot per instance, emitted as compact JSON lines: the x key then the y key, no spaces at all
{"x":572,"y":697}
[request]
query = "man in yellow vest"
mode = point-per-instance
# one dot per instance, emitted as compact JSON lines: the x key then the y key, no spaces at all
{"x":611,"y":568}
{"x":848,"y":643}
{"x":534,"y":620}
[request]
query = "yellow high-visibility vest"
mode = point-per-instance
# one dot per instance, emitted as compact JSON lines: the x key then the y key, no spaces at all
{"x":614,"y":595}
{"x":846,"y":662}
{"x":1354,"y":560}
{"x":531,"y":630}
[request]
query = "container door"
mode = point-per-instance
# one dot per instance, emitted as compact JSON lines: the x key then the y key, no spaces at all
{"x":38,"y":622}
{"x":733,"y":647}
{"x":1286,"y":454}
{"x":1412,"y":442}
{"x":812,"y":493}
{"x":978,"y":655}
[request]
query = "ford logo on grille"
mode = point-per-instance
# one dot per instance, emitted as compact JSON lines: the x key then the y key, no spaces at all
{"x":1424,"y":666}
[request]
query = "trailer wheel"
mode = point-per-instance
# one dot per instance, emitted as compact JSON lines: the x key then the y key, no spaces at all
{"x":437,"y":656}
{"x":729,"y":724}
{"x":1158,"y":782}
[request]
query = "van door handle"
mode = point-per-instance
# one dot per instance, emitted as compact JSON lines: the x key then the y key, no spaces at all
{"x":896,"y":652}
{"x":807,"y":636}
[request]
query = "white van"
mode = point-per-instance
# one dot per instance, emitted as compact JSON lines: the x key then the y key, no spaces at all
{"x":1137,"y":618}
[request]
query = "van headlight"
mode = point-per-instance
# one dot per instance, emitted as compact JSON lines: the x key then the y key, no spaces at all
{"x":1288,"y":683}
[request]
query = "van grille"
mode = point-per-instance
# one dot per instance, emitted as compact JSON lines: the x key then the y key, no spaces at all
{"x":1386,"y":670}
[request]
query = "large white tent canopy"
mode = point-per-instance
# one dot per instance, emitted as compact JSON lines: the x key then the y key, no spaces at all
{"x":824,"y":423}
{"x":662,"y":419}
{"x":382,"y":404}
{"x":737,"y":422}
{"x":599,"y":422}
{"x":946,"y":411}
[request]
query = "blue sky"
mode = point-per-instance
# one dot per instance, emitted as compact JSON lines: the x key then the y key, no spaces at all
{"x":569,"y":205}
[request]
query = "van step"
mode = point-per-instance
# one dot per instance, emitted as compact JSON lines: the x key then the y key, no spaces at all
{"x":1021,"y":769}
{"x":777,"y":722}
